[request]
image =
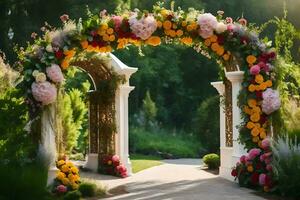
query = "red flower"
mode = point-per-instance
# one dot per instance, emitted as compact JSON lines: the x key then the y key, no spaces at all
{"x":258,"y":94}
{"x":234,"y":173}
{"x":255,"y":178}
{"x":94,"y":43}
{"x":221,"y":39}
{"x":258,"y":166}
{"x":263,"y":119}
{"x":272,"y":55}
{"x":59,"y":54}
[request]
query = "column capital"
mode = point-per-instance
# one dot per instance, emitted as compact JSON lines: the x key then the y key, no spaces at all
{"x":236,"y":76}
{"x":220,"y":87}
{"x":125,"y":89}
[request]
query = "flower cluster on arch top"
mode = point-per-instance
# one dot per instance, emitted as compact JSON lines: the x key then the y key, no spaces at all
{"x":46,"y":60}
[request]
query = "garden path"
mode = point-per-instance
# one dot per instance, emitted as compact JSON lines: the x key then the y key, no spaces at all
{"x":174,"y":180}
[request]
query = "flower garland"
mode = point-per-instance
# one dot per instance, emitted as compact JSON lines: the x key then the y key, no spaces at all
{"x":213,"y":36}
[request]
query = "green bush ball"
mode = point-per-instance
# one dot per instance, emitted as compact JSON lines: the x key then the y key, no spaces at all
{"x":212,"y":161}
{"x":73,"y":195}
{"x":88,"y":189}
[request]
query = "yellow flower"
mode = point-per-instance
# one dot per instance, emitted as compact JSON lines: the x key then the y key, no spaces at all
{"x":207,"y":42}
{"x":250,"y":125}
{"x":106,"y":38}
{"x":65,"y":181}
{"x":179,"y":33}
{"x":167,"y":25}
{"x":190,"y":28}
{"x":255,"y":117}
{"x":110,"y":31}
{"x":263,"y":86}
{"x":112,"y":38}
{"x":215,"y":46}
{"x":250,"y":168}
{"x":184,"y":23}
{"x":172,"y":33}
{"x":74,"y":170}
{"x":226,"y":57}
{"x":256,"y":109}
{"x":220,"y":51}
{"x":247,"y":110}
{"x":164,"y":12}
{"x":187,"y":40}
{"x":103,"y":26}
{"x":251,"y":59}
{"x":60,"y":162}
{"x":255,"y":139}
{"x":71,"y":177}
{"x":259,"y":78}
{"x":65,"y":168}
{"x":251,"y":88}
{"x":269,"y":83}
{"x":76,"y":178}
{"x":60,"y":175}
{"x":213,"y":38}
{"x":70,"y":53}
{"x":263,"y":135}
{"x":65,"y":63}
{"x":255,"y":132}
{"x":84,"y":44}
{"x":252,"y":102}
{"x":159,"y":24}
{"x":153,"y":40}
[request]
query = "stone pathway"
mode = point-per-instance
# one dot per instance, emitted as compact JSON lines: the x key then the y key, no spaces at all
{"x":174,"y":180}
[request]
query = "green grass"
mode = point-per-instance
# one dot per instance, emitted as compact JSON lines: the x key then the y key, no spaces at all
{"x":179,"y":145}
{"x":141,"y":162}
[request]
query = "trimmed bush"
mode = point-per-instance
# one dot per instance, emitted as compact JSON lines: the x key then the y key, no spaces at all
{"x":212,"y":161}
{"x":88,"y":189}
{"x":73,"y":195}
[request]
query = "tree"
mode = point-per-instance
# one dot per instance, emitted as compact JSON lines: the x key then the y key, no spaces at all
{"x":149,"y":110}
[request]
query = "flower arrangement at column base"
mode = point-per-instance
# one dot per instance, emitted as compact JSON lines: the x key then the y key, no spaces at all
{"x":111,"y":165}
{"x":67,"y":178}
{"x":254,"y":170}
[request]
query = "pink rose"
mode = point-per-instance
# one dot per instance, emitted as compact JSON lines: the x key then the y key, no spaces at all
{"x":253,"y":153}
{"x":269,"y":167}
{"x":61,"y":189}
{"x":230,"y":27}
{"x":243,"y":159}
{"x":262,"y":179}
{"x":265,"y":144}
{"x":208,"y":23}
{"x":54,"y":73}
{"x":254,"y":70}
{"x":44,"y":92}
{"x":117,"y":21}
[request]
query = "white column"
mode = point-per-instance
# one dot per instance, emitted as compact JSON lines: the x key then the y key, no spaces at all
{"x":122,"y":138}
{"x":236,"y":79}
{"x":225,"y":152}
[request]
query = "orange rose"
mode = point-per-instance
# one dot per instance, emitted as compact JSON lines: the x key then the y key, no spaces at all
{"x":255,"y":117}
{"x":259,"y":79}
{"x":255,"y":132}
{"x":269,"y":83}
{"x":250,"y":125}
{"x":251,"y":88}
{"x":220,"y":51}
{"x":213,"y":38}
{"x":167,"y":25}
{"x":179,"y":33}
{"x":255,"y":139}
{"x":84,"y":44}
{"x":207,"y":42}
{"x":215,"y":46}
{"x":187,"y":40}
{"x":252,"y":102}
{"x":159,"y":24}
{"x":153,"y":40}
{"x":251,"y":59}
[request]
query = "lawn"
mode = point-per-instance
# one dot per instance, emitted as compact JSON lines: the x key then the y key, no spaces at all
{"x":141,"y":162}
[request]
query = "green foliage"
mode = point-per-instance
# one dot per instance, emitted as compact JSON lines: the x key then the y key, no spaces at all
{"x":73,"y":195}
{"x":286,"y":162}
{"x":88,"y":189}
{"x":212,"y":161}
{"x":207,"y":123}
{"x":73,"y":113}
{"x":149,"y":109}
{"x":164,"y":141}
{"x":28,"y":180}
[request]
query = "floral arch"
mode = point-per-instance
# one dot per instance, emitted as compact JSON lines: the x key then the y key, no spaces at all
{"x":233,"y":44}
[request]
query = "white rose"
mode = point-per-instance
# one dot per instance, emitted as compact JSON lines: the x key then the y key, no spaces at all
{"x":40,"y":77}
{"x":35,"y":72}
{"x":221,"y":27}
{"x":49,"y":48}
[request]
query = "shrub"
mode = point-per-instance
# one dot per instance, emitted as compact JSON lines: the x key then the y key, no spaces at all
{"x":73,"y":195}
{"x":212,"y":160}
{"x":88,"y":189}
{"x":286,"y":162}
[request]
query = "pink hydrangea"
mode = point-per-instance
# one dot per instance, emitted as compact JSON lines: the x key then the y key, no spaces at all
{"x":144,"y":27}
{"x":254,"y":70}
{"x":262,"y":179}
{"x":208,"y":23}
{"x":54,"y":73}
{"x":44,"y":92}
{"x":253,"y":153}
{"x":265,"y":144}
{"x":117,"y":21}
{"x":271,"y":101}
{"x":61,"y":189}
{"x":116,"y":160}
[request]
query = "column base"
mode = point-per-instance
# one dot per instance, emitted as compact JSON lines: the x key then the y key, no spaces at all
{"x":225,"y":172}
{"x":128,"y":167}
{"x":92,"y":162}
{"x":51,"y":175}
{"x":226,"y":163}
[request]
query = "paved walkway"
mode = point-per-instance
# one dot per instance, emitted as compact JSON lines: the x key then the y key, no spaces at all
{"x":174,"y":180}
